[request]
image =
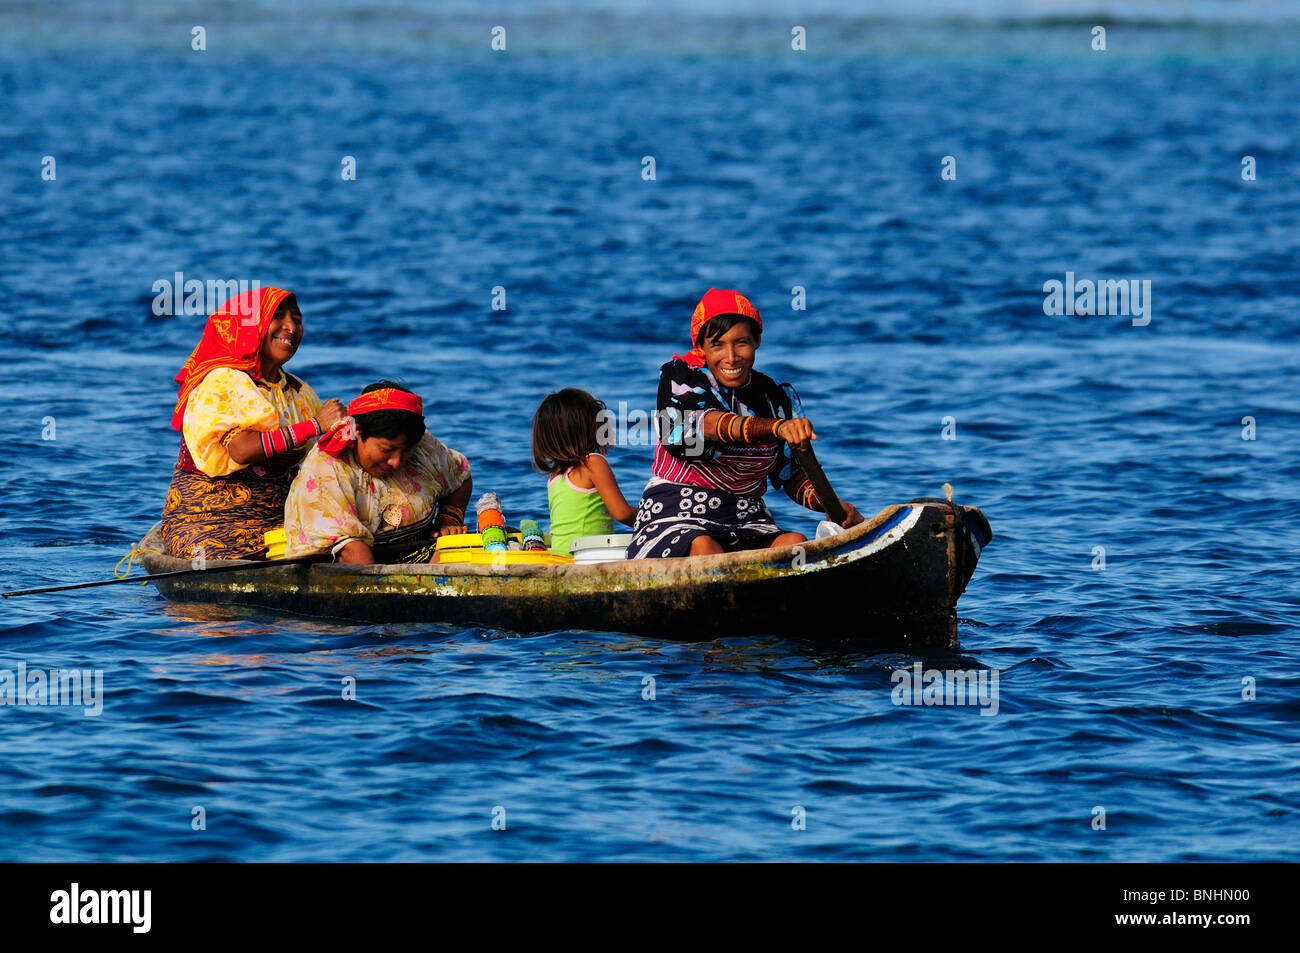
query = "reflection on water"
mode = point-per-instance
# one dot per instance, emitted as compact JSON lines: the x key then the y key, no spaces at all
{"x":308,"y":636}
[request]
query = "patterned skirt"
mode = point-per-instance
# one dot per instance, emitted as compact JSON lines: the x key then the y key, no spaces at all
{"x":225,"y":517}
{"x":672,"y":515}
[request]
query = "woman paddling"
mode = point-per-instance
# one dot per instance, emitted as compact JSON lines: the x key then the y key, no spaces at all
{"x":723,"y":431}
{"x":375,"y":473}
{"x":245,"y":424}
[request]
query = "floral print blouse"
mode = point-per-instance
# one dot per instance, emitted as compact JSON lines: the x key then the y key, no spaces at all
{"x":333,"y":501}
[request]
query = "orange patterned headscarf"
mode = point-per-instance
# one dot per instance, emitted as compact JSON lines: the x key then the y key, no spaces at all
{"x":386,"y":398}
{"x":714,"y":303}
{"x":231,"y":338}
{"x":344,"y":433}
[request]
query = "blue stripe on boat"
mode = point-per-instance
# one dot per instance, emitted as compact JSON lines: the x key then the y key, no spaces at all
{"x":887,"y":525}
{"x":866,"y":540}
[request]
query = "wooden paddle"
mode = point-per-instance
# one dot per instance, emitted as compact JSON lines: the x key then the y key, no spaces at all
{"x":258,"y":564}
{"x":407,"y":533}
{"x":808,"y":460}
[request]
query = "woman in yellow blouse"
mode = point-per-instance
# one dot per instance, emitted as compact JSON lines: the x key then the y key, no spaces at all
{"x":378,"y":471}
{"x":245,"y":425}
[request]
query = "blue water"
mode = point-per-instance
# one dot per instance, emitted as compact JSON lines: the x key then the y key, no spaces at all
{"x":1120,"y":688}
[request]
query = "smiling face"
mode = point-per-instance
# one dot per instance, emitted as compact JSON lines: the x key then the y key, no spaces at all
{"x":381,"y":456}
{"x":283,"y":335}
{"x":730,"y":357}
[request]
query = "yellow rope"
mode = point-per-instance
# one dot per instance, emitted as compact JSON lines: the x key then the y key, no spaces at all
{"x":130,"y":559}
{"x":423,"y":555}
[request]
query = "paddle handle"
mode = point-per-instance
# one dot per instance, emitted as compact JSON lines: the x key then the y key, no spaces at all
{"x":261,"y":563}
{"x":830,"y":502}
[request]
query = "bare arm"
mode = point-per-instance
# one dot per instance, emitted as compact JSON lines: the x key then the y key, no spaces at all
{"x":247,"y":447}
{"x":725,"y":427}
{"x":602,"y":477}
{"x":451,"y":509}
{"x":800,"y":489}
{"x":357,"y":553}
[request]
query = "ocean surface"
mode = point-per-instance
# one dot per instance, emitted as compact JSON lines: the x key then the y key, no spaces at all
{"x":1139,"y":602}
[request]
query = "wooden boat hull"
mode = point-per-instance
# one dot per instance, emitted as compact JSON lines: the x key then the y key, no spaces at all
{"x":895,"y":578}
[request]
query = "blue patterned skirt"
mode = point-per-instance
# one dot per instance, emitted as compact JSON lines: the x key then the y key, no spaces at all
{"x":672,"y":515}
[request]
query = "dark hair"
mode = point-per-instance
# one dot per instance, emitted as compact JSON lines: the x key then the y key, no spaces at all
{"x":720,"y":324}
{"x":566,"y":429}
{"x":288,"y":302}
{"x":387,"y":424}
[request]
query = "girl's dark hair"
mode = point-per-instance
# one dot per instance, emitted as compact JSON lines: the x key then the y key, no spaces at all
{"x":388,"y":424}
{"x":566,"y":428}
{"x":720,"y":324}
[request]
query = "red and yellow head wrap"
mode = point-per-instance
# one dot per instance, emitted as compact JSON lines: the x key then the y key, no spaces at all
{"x":231,"y":338}
{"x":344,"y":433}
{"x":715,"y":302}
{"x":386,"y":398}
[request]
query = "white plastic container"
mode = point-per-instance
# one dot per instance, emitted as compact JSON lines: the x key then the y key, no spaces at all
{"x":827,"y":528}
{"x":600,"y":549}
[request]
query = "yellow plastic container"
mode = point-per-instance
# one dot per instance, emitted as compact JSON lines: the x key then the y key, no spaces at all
{"x":458,"y":548}
{"x":519,"y":557}
{"x":468,"y":541}
{"x":477,"y":556}
{"x":276,"y":542}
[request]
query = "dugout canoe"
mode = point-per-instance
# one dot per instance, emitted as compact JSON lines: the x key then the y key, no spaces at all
{"x":894,"y":578}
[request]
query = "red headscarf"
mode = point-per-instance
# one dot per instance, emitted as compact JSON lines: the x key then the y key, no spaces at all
{"x":714,"y":303}
{"x":231,"y":338}
{"x":344,"y":433}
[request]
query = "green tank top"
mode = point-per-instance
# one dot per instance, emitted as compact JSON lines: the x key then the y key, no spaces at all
{"x":575,"y":512}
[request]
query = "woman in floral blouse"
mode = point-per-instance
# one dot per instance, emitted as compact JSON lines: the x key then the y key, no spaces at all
{"x":377,"y":472}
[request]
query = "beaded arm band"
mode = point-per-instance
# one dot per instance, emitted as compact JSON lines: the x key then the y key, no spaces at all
{"x":449,"y":515}
{"x":276,"y":442}
{"x":804,"y":494}
{"x":733,"y":428}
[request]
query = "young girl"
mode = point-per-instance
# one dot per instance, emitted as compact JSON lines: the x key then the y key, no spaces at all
{"x":584,"y":496}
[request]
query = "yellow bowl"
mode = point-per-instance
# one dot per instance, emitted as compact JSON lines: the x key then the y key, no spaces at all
{"x":467,"y":541}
